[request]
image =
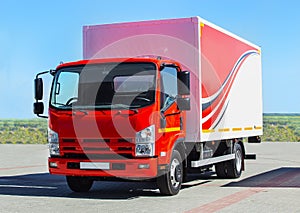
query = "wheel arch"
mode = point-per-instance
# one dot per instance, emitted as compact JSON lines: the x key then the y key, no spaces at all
{"x":180,"y":147}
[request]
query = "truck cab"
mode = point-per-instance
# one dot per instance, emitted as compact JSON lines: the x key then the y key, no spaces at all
{"x":116,"y":118}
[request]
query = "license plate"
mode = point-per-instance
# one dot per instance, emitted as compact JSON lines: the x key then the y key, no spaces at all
{"x":94,"y":165}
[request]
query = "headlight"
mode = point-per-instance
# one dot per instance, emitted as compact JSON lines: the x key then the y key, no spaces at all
{"x":53,"y":142}
{"x":145,"y":142}
{"x":146,"y":135}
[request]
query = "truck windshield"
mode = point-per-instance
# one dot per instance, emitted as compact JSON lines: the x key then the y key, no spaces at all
{"x":104,"y":86}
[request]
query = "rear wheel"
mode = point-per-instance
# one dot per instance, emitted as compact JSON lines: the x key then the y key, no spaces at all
{"x":79,"y":184}
{"x":232,"y":168}
{"x":170,"y":182}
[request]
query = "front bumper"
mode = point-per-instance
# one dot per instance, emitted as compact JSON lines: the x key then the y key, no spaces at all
{"x":125,"y":168}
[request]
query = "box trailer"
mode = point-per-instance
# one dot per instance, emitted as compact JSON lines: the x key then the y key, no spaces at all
{"x":154,"y":100}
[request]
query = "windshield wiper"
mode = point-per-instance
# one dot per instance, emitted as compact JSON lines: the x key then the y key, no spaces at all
{"x":123,"y":106}
{"x":75,"y":112}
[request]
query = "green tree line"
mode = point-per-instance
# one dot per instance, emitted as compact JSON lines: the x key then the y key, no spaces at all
{"x":281,"y":127}
{"x":31,"y":131}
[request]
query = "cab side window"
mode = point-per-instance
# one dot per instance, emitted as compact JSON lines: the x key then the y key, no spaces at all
{"x":168,"y":87}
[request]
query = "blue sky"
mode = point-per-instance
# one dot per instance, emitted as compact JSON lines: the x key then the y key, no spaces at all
{"x":38,"y":35}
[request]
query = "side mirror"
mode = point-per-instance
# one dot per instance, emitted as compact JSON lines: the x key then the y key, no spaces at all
{"x":38,"y":108}
{"x":184,"y":103}
{"x":183,"y":82}
{"x":38,"y":89}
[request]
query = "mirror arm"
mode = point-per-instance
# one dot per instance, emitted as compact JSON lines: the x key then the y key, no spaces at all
{"x":163,"y":65}
{"x":42,"y":116}
{"x":42,"y":73}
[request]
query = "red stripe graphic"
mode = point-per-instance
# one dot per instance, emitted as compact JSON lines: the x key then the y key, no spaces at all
{"x":216,"y":108}
{"x":222,"y":56}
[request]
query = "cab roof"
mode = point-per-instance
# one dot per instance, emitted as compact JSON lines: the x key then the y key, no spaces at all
{"x":158,"y":62}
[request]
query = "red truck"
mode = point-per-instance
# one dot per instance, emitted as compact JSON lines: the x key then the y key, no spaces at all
{"x":153,"y":100}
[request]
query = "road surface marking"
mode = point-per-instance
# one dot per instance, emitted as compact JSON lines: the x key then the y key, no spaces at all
{"x":29,"y":187}
{"x":225,"y":201}
{"x":281,"y":180}
{"x":21,"y":167}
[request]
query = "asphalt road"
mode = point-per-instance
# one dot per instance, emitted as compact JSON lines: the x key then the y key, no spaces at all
{"x":271,"y":183}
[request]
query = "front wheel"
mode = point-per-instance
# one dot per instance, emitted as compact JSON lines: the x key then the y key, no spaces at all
{"x":79,"y":184}
{"x":170,"y":182}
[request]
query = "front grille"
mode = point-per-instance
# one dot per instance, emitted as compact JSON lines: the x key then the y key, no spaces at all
{"x":125,"y":148}
{"x":69,"y":148}
{"x":68,"y":140}
{"x":97,"y":148}
{"x":124,"y":140}
{"x":98,"y":156}
{"x":96,"y":140}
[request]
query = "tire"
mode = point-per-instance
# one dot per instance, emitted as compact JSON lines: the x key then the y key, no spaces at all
{"x":170,"y":182}
{"x":220,"y":170}
{"x":232,"y":168}
{"x":79,"y":184}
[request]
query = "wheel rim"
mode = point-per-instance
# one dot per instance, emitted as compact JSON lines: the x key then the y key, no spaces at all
{"x":175,"y":173}
{"x":238,"y":160}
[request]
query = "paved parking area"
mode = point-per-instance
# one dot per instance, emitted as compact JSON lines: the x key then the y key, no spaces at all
{"x":271,"y":183}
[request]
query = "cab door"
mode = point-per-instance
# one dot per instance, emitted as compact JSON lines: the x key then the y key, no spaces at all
{"x":170,"y":115}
